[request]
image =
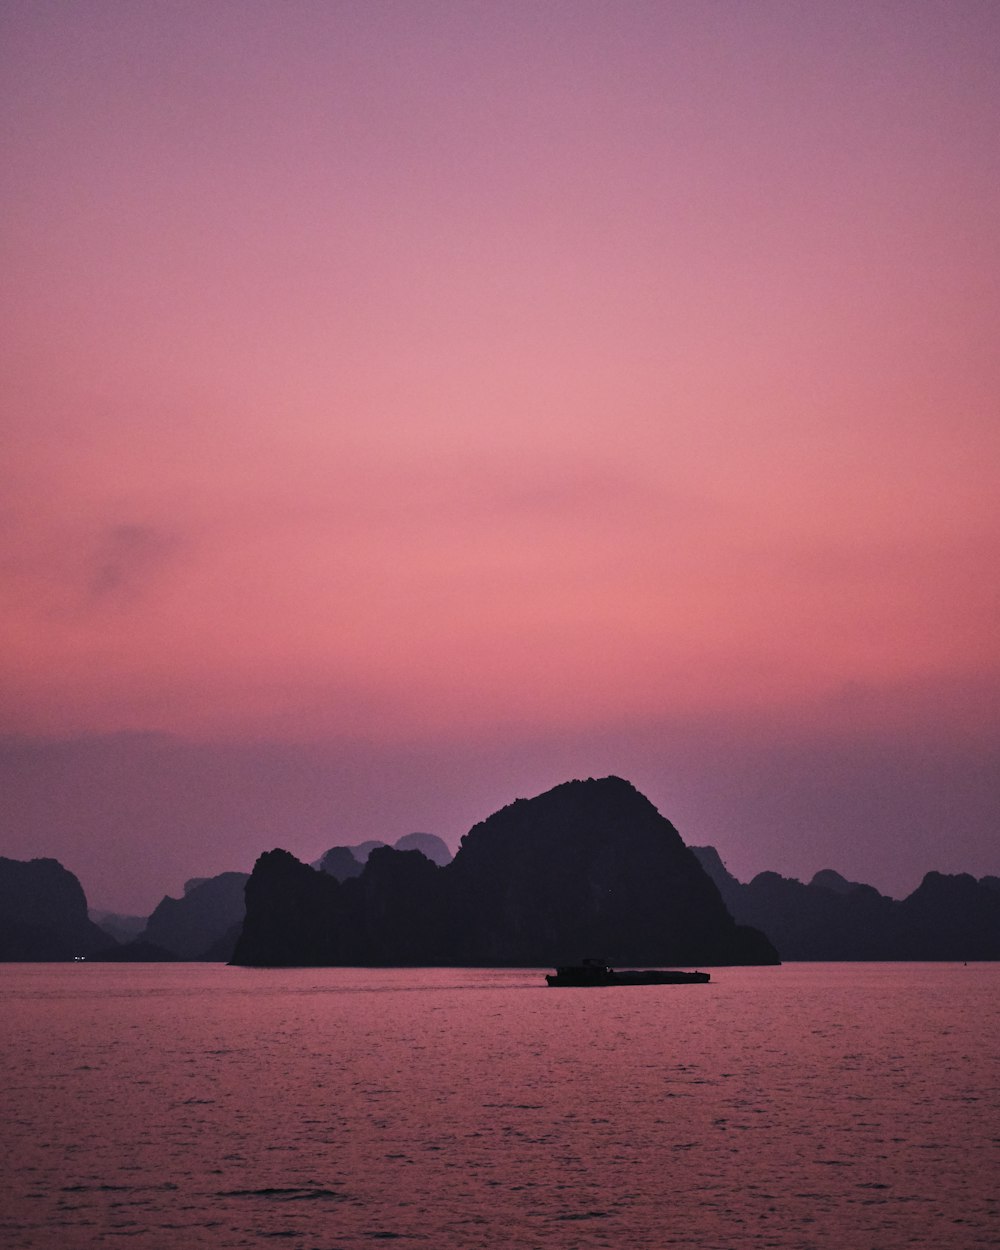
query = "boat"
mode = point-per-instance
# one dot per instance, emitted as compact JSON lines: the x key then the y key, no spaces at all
{"x":593,"y":972}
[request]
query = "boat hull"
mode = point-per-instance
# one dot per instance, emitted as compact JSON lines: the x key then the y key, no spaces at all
{"x":587,"y":976}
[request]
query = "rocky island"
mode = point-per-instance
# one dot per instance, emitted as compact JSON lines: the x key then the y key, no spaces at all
{"x":588,"y":867}
{"x":43,"y":913}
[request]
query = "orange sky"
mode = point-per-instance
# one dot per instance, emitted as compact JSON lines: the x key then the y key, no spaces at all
{"x":448,"y":373}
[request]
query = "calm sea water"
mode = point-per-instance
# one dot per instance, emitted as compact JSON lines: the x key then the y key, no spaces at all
{"x":811,"y":1105}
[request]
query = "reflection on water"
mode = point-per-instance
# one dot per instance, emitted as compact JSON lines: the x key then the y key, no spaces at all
{"x":203,"y":1106}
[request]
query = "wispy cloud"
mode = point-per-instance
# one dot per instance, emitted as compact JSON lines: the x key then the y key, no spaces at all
{"x":126,"y":558}
{"x":59,"y":569}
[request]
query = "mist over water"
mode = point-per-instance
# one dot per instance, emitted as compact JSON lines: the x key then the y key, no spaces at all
{"x":203,"y":1106}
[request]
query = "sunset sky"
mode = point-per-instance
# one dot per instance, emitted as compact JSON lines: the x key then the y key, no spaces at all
{"x":410,"y":406}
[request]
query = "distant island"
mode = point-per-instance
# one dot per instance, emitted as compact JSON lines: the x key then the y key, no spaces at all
{"x":588,"y":868}
{"x":830,"y":918}
{"x":349,"y":861}
{"x":43,"y":913}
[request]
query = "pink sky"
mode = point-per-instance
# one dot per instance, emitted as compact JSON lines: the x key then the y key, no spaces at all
{"x":574,"y":386}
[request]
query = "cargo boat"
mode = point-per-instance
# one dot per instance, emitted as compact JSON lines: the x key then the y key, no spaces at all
{"x":592,"y":972}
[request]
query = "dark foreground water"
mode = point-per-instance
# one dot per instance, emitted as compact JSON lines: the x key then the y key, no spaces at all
{"x":202,"y":1106}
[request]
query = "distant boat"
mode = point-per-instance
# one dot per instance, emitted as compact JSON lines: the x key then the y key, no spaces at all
{"x":593,"y":972}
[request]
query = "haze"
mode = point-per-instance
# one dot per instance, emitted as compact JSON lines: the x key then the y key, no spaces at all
{"x":409,"y":407}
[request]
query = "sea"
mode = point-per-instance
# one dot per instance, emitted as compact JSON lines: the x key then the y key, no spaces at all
{"x":854,"y":1106}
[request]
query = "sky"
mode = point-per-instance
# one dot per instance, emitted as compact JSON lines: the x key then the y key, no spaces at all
{"x":410,"y":406}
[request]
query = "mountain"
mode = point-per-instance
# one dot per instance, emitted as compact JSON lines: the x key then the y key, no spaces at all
{"x":831,"y":918}
{"x":340,"y":862}
{"x":347,"y":861}
{"x":362,"y":850}
{"x":591,"y":867}
{"x":134,"y":952}
{"x":588,"y":868}
{"x":121,"y":928}
{"x":724,"y":881}
{"x":43,"y":913}
{"x":812,"y":922}
{"x":188,"y":927}
{"x":951,"y":917}
{"x":831,"y":880}
{"x":429,"y":844}
{"x":221,"y":950}
{"x":292,"y":917}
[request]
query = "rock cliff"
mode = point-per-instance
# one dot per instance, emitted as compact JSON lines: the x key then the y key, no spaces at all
{"x":43,"y":913}
{"x":192,"y":927}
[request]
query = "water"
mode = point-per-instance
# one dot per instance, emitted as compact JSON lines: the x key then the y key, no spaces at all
{"x":202,"y":1106}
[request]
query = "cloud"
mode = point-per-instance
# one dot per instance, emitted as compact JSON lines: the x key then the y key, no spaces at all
{"x":59,"y":570}
{"x":127,"y":557}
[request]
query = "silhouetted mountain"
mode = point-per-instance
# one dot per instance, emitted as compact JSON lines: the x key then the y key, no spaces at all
{"x":121,"y":928}
{"x":398,"y":912}
{"x":189,"y":926}
{"x":292,"y":916}
{"x":831,"y":918}
{"x":429,"y":844}
{"x":830,"y":880}
{"x":362,"y":850}
{"x":343,"y":862}
{"x":590,"y":867}
{"x":725,"y":882}
{"x":812,"y":922}
{"x":43,"y":913}
{"x":340,"y":862}
{"x":221,"y":950}
{"x":137,"y":952}
{"x":951,"y":917}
